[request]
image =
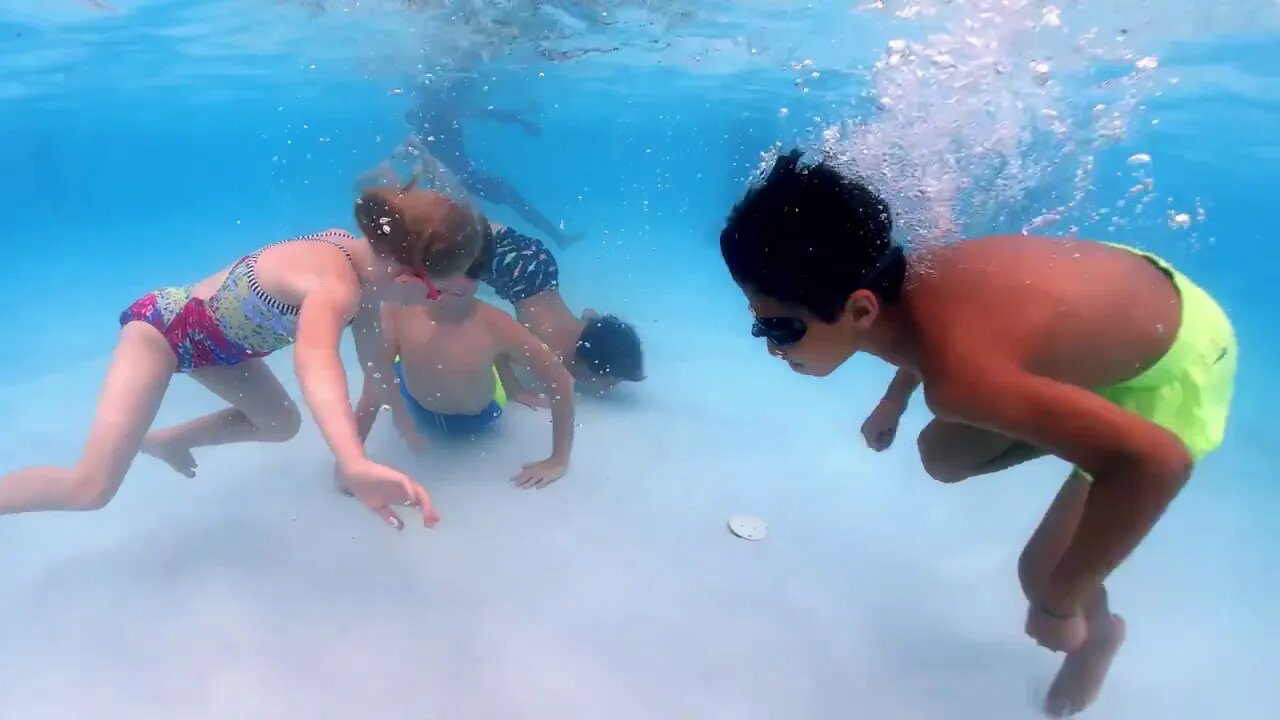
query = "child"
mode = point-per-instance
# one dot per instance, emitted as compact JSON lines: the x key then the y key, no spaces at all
{"x":444,"y":353}
{"x":1101,"y":355}
{"x":219,"y":329}
{"x":599,"y":351}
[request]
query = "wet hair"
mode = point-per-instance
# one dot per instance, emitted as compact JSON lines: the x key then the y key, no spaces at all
{"x":422,"y":230}
{"x":811,"y":237}
{"x":610,"y":347}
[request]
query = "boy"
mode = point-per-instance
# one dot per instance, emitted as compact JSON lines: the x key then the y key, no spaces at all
{"x":599,"y":350}
{"x":445,"y":353}
{"x":1097,"y":354}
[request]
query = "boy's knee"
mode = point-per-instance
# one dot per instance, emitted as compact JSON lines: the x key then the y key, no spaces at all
{"x":1030,"y":573}
{"x":936,"y":461}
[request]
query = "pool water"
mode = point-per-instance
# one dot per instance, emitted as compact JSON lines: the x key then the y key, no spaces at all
{"x":150,"y":142}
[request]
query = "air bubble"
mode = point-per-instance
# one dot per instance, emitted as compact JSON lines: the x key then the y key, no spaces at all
{"x":1179,"y":221}
{"x":783,"y":112}
{"x":1040,"y":72}
{"x":1150,"y":62}
{"x":1139,"y":159}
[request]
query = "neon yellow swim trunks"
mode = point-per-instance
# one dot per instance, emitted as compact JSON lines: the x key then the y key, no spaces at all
{"x":1188,"y":391}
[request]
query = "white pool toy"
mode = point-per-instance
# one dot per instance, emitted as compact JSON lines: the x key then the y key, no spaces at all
{"x":748,"y":527}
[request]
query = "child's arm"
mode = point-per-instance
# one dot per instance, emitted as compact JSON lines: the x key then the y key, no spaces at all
{"x":519,"y":343}
{"x":334,"y":296}
{"x":901,"y":387}
{"x":375,"y":388}
{"x":881,"y":426}
{"x":385,"y":390}
{"x":516,"y":391}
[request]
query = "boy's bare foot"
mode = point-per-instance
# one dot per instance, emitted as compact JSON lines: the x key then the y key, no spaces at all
{"x":1082,"y":673}
{"x":175,"y":456}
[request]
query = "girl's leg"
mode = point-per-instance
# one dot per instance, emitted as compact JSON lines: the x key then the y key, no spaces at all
{"x":137,"y":378}
{"x":261,"y":411}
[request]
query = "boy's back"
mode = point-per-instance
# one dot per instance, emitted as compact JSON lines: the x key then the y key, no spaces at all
{"x":1080,"y":312}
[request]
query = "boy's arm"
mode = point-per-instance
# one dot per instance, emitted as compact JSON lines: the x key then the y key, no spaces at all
{"x":515,"y":388}
{"x":380,"y":381}
{"x":521,"y":344}
{"x":902,"y":386}
{"x":373,"y":336}
{"x":1137,"y":466}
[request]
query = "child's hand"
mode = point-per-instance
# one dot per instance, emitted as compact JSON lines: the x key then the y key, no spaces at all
{"x":379,"y":487}
{"x":540,"y":474}
{"x":531,"y":399}
{"x":881,"y":426}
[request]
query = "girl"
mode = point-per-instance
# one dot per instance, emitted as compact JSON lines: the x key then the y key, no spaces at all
{"x":304,"y":290}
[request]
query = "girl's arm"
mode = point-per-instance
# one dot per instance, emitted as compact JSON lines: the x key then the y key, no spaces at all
{"x":324,"y":312}
{"x":332,"y":297}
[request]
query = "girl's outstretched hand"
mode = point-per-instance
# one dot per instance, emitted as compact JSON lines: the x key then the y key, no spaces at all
{"x":379,"y":487}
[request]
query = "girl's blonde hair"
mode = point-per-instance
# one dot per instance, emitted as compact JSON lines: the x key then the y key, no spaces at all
{"x":422,"y":230}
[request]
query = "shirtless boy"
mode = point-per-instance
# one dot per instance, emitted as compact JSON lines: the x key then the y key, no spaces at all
{"x":1100,"y":355}
{"x":446,"y":354}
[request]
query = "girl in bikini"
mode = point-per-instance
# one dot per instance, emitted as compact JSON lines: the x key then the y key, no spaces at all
{"x":303,"y":291}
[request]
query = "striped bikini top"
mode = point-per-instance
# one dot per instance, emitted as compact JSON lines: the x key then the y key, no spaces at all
{"x":248,"y":315}
{"x":250,"y":264}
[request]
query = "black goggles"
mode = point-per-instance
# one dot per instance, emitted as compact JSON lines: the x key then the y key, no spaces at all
{"x":780,"y":331}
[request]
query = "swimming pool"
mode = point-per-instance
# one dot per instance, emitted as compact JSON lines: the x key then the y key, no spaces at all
{"x":149,"y":142}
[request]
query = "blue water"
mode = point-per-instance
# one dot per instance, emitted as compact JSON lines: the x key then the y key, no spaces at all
{"x":151,"y":144}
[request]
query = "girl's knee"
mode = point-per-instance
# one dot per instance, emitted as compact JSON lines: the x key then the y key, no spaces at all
{"x":91,"y":489}
{"x":284,"y":426}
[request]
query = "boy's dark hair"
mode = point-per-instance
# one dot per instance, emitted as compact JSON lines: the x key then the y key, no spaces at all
{"x":611,"y":347}
{"x":810,"y":236}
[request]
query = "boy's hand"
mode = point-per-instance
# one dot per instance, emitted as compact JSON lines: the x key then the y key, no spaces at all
{"x":531,"y":399}
{"x":881,"y":426}
{"x":540,"y":474}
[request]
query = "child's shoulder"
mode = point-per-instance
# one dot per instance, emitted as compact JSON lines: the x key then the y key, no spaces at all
{"x":492,"y":314}
{"x":498,"y":320}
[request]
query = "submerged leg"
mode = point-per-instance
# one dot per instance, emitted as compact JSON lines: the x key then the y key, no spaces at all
{"x":261,"y":411}
{"x":137,"y":378}
{"x":1083,"y":671}
{"x":499,"y":192}
{"x":952,"y":452}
